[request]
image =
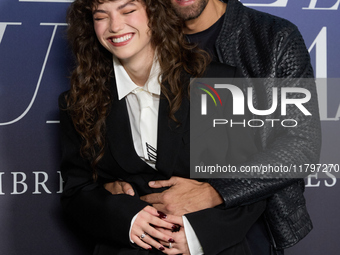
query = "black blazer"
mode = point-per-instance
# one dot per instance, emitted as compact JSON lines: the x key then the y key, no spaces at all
{"x":107,"y":217}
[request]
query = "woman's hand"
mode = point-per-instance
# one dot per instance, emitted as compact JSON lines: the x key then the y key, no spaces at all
{"x":147,"y":230}
{"x":181,"y":244}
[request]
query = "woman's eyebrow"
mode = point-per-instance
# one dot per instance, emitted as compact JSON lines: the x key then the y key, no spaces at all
{"x":126,"y":4}
{"x":118,"y":8}
{"x":98,"y":11}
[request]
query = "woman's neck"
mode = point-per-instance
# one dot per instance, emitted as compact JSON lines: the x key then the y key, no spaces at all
{"x":139,"y":68}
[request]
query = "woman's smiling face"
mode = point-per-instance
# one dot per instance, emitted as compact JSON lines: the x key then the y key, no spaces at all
{"x":122,"y":28}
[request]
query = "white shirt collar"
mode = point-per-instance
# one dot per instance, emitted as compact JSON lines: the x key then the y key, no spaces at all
{"x":125,"y":85}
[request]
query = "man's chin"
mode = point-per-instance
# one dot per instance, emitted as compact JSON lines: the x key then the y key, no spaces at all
{"x":189,"y":9}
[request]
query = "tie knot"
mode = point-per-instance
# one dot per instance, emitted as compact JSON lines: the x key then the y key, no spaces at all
{"x":144,"y":98}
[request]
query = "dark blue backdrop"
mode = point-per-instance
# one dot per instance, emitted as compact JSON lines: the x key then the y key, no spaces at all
{"x":34,"y":65}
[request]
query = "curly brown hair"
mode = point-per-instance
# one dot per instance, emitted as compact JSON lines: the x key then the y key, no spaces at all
{"x":89,"y":98}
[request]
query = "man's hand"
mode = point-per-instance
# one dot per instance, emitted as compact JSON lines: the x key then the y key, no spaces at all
{"x":119,"y":187}
{"x":184,"y":196}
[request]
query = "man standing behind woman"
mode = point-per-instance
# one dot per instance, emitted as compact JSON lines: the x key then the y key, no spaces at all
{"x":260,"y":45}
{"x":130,"y":54}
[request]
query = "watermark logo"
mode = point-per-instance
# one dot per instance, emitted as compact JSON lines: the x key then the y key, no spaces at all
{"x":239,"y":99}
{"x":204,"y":97}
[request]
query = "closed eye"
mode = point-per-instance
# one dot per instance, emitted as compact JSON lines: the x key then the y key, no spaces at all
{"x":99,"y":14}
{"x":128,"y":12}
{"x":99,"y":17}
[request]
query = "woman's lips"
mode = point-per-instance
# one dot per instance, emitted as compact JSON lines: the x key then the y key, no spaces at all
{"x":120,"y":40}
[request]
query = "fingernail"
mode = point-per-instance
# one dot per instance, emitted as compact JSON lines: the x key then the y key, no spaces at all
{"x":151,"y":183}
{"x":129,"y":192}
{"x":161,"y":248}
{"x":150,"y":248}
{"x":161,"y":215}
{"x":171,"y":240}
{"x":175,"y":228}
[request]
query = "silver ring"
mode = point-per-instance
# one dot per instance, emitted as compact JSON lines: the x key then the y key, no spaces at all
{"x":142,"y":236}
{"x":170,"y":245}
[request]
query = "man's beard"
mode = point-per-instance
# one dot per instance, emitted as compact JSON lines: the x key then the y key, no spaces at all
{"x":191,"y":12}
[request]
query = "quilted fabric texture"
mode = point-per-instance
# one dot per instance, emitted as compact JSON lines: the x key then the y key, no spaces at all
{"x":265,"y":46}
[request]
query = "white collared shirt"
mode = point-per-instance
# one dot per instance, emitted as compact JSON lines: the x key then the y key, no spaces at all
{"x":127,"y":89}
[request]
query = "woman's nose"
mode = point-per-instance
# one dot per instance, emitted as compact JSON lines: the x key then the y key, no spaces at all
{"x":116,"y":24}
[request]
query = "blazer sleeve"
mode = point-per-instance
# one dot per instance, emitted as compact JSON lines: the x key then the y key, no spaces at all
{"x":88,"y":203}
{"x":220,"y":229}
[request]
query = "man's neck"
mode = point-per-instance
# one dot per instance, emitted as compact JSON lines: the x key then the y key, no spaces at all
{"x":212,"y":12}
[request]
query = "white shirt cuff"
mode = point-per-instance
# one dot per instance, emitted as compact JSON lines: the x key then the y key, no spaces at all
{"x":194,"y":244}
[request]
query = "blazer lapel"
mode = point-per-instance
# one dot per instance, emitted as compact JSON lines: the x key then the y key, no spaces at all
{"x":170,"y":133}
{"x":120,"y":137}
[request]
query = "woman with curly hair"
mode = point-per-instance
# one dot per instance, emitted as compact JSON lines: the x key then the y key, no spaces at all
{"x":125,"y":118}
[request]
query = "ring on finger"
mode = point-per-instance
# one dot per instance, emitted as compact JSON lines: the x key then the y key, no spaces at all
{"x":170,"y":245}
{"x":142,"y":236}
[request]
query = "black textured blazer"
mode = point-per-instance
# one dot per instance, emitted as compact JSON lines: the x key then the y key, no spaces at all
{"x":261,"y":45}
